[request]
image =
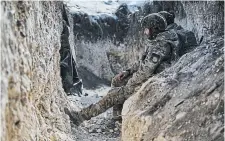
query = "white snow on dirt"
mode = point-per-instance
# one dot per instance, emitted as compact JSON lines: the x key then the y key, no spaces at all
{"x":93,"y":7}
{"x":96,"y":7}
{"x":89,"y":96}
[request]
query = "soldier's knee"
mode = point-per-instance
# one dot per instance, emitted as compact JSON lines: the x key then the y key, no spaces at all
{"x":118,"y":83}
{"x":114,"y":82}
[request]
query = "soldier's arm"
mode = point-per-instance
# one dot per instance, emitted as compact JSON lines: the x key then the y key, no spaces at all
{"x":159,"y":52}
{"x":125,"y":74}
{"x":134,"y":68}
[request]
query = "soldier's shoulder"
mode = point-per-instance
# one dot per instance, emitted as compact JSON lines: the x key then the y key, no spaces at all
{"x":168,"y":35}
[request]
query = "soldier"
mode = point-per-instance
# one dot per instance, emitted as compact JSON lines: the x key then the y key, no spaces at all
{"x":152,"y":25}
{"x":184,"y":39}
{"x":158,"y":52}
{"x":122,"y":24}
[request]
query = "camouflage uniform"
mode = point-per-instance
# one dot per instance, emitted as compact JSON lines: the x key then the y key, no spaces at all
{"x":159,"y":51}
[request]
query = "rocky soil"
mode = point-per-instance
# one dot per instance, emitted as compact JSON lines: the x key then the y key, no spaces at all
{"x":100,"y":128}
{"x":32,"y":97}
{"x":184,"y":102}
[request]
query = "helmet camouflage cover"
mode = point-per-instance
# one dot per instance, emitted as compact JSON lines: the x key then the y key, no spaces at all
{"x":168,"y":16}
{"x":155,"y":21}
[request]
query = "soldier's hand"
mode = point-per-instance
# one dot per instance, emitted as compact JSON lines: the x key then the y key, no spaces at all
{"x":122,"y":75}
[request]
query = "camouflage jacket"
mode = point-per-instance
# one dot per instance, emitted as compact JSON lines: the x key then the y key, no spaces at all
{"x":166,"y":47}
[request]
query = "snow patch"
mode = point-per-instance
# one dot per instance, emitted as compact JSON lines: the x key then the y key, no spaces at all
{"x":97,"y":7}
{"x":93,"y":7}
{"x":89,"y":97}
{"x":101,"y":91}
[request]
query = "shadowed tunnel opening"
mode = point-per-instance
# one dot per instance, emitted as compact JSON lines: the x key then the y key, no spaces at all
{"x":70,"y":80}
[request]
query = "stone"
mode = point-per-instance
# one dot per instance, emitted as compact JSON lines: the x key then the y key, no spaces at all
{"x":99,"y":130}
{"x":111,"y":131}
{"x":91,"y":130}
{"x":180,"y":115}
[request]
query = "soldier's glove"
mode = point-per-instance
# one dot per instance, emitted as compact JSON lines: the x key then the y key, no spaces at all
{"x":122,"y":75}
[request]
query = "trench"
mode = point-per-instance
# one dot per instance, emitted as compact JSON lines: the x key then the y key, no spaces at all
{"x":106,"y":44}
{"x":58,"y":54}
{"x":84,"y":93}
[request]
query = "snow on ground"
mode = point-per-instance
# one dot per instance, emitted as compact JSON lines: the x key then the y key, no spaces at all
{"x":96,"y":7}
{"x":93,"y":7}
{"x":100,"y":91}
{"x":89,"y":96}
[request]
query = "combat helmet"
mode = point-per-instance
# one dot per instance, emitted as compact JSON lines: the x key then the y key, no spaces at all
{"x":169,"y":16}
{"x":154,"y":20}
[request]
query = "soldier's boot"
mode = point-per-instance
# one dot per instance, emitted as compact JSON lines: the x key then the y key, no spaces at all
{"x":75,"y":117}
{"x":117,"y":110}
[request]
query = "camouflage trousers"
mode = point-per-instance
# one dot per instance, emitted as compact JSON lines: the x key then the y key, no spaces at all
{"x":117,"y":109}
{"x":115,"y":97}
